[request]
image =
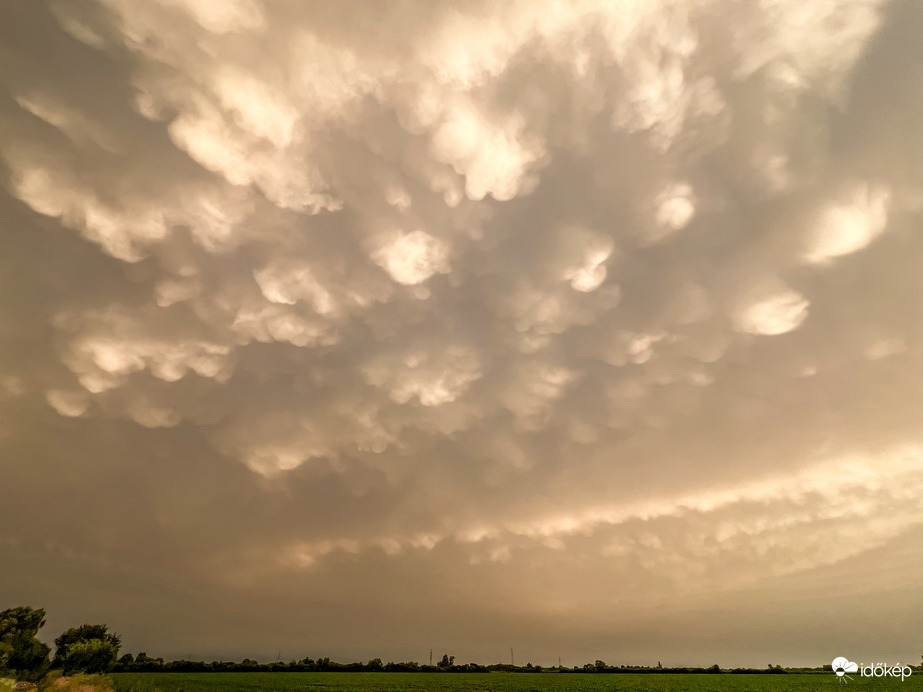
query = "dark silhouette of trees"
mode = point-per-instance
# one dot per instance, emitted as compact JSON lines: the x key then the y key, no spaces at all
{"x":87,"y":649}
{"x":142,"y":663}
{"x":21,"y":654}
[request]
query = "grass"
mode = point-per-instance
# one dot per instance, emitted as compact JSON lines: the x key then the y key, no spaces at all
{"x":494,"y":682}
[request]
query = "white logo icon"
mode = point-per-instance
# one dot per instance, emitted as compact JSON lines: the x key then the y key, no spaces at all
{"x":842,"y":665}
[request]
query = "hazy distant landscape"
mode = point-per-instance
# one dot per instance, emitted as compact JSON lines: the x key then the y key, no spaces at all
{"x":493,"y":682}
{"x":87,"y":659}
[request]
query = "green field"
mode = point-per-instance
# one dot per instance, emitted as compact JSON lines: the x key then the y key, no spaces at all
{"x":493,"y":682}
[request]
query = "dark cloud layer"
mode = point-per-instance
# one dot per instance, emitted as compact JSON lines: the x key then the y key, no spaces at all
{"x":358,"y":331}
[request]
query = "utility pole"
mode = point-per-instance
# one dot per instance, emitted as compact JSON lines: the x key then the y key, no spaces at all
{"x":559,"y":663}
{"x":431,"y":657}
{"x":512,"y":660}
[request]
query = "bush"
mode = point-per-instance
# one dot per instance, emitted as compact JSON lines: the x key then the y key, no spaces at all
{"x":87,"y":649}
{"x":89,"y":656}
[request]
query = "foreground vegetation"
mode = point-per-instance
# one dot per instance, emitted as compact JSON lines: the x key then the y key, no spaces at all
{"x":493,"y":682}
{"x":83,"y":655}
{"x":84,"y":649}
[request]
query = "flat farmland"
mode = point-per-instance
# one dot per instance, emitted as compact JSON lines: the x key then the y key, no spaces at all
{"x":495,"y":682}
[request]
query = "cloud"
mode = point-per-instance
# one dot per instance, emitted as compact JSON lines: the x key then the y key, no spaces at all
{"x":67,"y":403}
{"x":844,"y":228}
{"x":306,"y":308}
{"x":770,"y":308}
{"x":412,"y":258}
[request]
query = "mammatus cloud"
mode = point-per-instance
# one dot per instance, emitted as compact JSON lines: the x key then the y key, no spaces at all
{"x":771,"y":308}
{"x":412,"y":258}
{"x":844,"y":227}
{"x":600,"y":317}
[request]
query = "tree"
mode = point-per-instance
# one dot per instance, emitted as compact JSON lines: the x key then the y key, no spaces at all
{"x":89,"y":656}
{"x":85,"y":633}
{"x":87,"y":649}
{"x":143,"y":662}
{"x":447,"y":661}
{"x":21,"y":654}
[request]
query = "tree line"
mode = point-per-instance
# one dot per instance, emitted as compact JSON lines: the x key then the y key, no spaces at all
{"x":143,"y":663}
{"x":95,"y":649}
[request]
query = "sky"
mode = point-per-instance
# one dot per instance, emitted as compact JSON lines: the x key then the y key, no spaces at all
{"x":359,"y":329}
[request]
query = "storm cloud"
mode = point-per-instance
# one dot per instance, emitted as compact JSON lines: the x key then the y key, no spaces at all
{"x":359,"y":329}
